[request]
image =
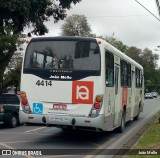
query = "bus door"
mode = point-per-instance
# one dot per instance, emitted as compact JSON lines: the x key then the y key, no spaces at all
{"x":132,"y":93}
{"x":117,"y":95}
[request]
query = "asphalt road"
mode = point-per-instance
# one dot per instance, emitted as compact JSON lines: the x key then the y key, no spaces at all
{"x":44,"y":138}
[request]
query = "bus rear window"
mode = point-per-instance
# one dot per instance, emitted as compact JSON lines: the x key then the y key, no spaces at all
{"x":63,"y":55}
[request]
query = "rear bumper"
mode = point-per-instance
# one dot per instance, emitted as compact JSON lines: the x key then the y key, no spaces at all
{"x":63,"y":121}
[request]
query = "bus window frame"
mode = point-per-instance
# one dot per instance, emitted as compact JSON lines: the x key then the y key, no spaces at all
{"x":110,"y":69}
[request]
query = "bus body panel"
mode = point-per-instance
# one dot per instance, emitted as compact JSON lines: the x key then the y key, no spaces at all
{"x":62,"y":103}
{"x":60,"y":93}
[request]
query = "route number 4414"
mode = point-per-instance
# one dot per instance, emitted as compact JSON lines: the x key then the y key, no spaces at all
{"x":44,"y":83}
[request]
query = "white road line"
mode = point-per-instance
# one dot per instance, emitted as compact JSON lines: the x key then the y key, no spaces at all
{"x":33,"y":130}
{"x":12,"y":148}
{"x":7,"y":146}
{"x":25,"y":133}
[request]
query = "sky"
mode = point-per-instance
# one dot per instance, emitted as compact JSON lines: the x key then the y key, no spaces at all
{"x":126,"y":20}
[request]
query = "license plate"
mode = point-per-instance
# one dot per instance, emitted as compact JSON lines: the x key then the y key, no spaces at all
{"x":58,"y":119}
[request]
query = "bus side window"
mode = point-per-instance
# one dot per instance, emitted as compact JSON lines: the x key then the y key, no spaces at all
{"x":109,"y":58}
{"x":138,"y":78}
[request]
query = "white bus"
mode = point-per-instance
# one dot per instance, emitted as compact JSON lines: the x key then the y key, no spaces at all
{"x":79,"y":83}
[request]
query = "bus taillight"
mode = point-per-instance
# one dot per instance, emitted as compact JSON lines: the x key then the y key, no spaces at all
{"x":23,"y":95}
{"x":24,"y":102}
{"x":26,"y":108}
{"x":98,"y":99}
{"x":96,"y":106}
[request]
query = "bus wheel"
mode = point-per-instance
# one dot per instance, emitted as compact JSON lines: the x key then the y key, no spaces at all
{"x":122,"y":125}
{"x":137,"y":116}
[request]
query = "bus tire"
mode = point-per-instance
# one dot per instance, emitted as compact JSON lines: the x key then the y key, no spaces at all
{"x":122,"y":125}
{"x":137,"y":116}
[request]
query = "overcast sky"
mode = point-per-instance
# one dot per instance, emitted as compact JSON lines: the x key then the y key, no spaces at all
{"x":129,"y":21}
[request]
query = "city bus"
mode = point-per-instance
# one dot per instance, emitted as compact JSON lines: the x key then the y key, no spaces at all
{"x":79,"y":83}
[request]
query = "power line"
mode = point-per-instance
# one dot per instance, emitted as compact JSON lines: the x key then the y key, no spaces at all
{"x":147,"y":10}
{"x":116,"y":16}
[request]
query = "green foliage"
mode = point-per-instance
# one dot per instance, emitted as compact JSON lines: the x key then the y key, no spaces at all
{"x":144,"y":57}
{"x":117,"y":43}
{"x":149,"y":59}
{"x":12,"y":78}
{"x":7,"y":48}
{"x":13,"y":71}
{"x":114,"y":42}
{"x":149,"y":85}
{"x":150,"y":140}
{"x":76,"y":25}
{"x":15,"y":15}
{"x":21,"y":13}
{"x":149,"y":62}
{"x":134,"y":53}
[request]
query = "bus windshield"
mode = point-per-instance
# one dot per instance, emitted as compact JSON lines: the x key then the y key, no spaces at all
{"x":63,"y":55}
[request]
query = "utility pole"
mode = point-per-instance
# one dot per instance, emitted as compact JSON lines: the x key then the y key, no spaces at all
{"x":158,"y":6}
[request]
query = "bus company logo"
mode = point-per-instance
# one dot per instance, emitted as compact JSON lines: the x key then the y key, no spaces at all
{"x":82,"y":92}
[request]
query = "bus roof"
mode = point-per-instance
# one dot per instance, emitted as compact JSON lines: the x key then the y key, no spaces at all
{"x":69,"y":38}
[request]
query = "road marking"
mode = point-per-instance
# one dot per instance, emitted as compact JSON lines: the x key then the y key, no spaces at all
{"x":33,"y":130}
{"x":25,"y":133}
{"x":7,"y":146}
{"x":12,"y":148}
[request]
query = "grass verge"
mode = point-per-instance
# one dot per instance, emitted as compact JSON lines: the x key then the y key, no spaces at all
{"x":150,"y":140}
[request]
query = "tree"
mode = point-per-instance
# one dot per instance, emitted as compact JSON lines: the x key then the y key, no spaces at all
{"x":117,"y":43}
{"x":134,"y":53}
{"x":76,"y":25}
{"x":13,"y":71}
{"x":148,"y":60}
{"x":157,"y":80}
{"x":7,"y":48}
{"x":149,"y":63}
{"x":16,"y":15}
{"x":144,"y":57}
